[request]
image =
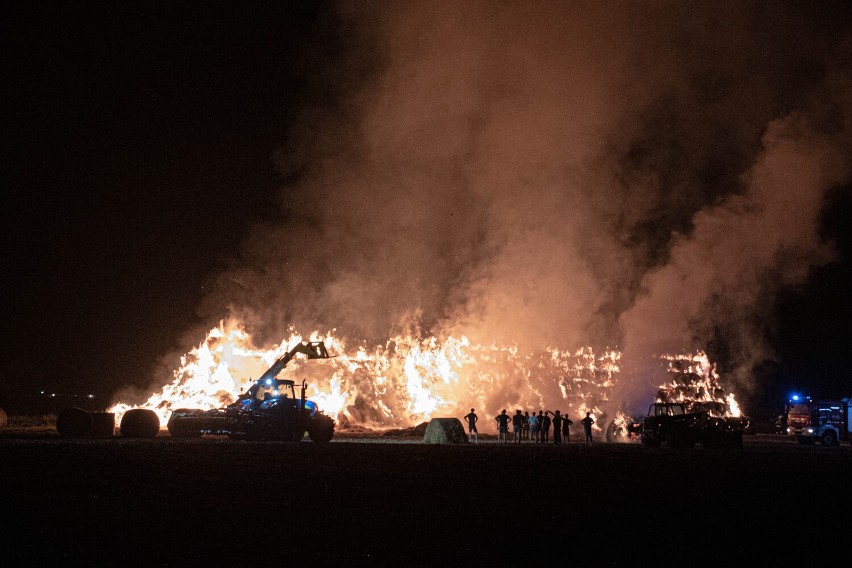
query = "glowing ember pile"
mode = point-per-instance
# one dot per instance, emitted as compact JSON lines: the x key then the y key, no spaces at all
{"x":410,"y":378}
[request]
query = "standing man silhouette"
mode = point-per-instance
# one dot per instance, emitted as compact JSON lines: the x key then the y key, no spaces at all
{"x":587,"y":428}
{"x":533,"y":434}
{"x":566,"y":423}
{"x":471,"y":426}
{"x":557,"y":428}
{"x":503,"y":427}
{"x":540,"y":426}
{"x":545,"y":427}
{"x":517,"y":426}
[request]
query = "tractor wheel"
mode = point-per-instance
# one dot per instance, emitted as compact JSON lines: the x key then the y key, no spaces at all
{"x":737,"y":441}
{"x":259,"y":430}
{"x":180,"y":429}
{"x":650,"y":442}
{"x":828,"y":438}
{"x":321,"y":430}
{"x":140,"y":423}
{"x":678,"y":440}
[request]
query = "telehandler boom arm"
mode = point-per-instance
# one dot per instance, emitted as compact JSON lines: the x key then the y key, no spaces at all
{"x":313,"y":349}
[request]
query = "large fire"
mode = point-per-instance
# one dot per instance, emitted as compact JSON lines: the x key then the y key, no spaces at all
{"x":403,"y":382}
{"x":695,"y":381}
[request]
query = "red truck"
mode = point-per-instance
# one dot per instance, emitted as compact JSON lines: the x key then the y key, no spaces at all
{"x":827,"y":421}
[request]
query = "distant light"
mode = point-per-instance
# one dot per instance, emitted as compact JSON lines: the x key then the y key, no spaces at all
{"x":268,"y":381}
{"x":53,"y":394}
{"x":91,"y":396}
{"x":42,"y":392}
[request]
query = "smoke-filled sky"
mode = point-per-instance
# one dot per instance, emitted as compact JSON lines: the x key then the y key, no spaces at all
{"x":648,"y":176}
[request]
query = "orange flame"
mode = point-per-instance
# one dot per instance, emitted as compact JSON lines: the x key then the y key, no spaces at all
{"x":695,"y":380}
{"x":405,"y":381}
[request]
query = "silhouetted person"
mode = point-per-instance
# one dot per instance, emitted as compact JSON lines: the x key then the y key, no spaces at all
{"x":587,"y":428}
{"x":471,"y":426}
{"x":525,"y":427}
{"x":557,"y":428}
{"x":503,"y":427}
{"x":566,"y":422}
{"x":545,"y":428}
{"x":517,"y":425}
{"x":533,"y":424}
{"x":540,"y":425}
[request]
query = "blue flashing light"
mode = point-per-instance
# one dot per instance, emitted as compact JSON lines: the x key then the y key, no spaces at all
{"x":268,"y":381}
{"x":799,"y":398}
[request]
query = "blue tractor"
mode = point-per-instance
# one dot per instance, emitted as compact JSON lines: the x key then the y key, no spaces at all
{"x":269,"y":410}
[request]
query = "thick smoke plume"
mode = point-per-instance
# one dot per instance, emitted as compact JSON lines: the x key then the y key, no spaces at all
{"x":640,"y":176}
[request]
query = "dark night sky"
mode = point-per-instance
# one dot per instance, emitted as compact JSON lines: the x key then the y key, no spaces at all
{"x":138,"y":140}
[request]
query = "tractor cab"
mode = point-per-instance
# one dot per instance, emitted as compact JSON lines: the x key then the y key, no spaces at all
{"x":265,"y":392}
{"x":275,"y":395}
{"x":666,"y":409}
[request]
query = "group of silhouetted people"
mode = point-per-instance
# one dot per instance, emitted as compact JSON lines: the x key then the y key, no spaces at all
{"x":532,"y":427}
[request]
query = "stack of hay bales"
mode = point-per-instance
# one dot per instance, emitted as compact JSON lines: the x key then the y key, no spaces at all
{"x":77,"y":423}
{"x":136,"y":423}
{"x":445,"y":431}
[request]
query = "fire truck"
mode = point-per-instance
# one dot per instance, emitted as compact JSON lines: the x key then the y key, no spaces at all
{"x":826,"y":421}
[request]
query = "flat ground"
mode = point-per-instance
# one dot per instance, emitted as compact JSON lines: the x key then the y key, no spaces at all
{"x":380,"y":502}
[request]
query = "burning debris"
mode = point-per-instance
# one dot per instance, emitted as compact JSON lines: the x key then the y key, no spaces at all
{"x":409,"y":379}
{"x":590,"y":180}
{"x":695,"y":383}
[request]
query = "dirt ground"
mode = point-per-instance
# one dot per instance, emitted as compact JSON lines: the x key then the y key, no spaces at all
{"x":381,"y":501}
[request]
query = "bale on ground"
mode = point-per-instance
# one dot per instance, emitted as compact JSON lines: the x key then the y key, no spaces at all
{"x":445,"y":431}
{"x":420,"y":429}
{"x":103,"y":425}
{"x":140,"y":423}
{"x":73,"y":423}
{"x":3,"y":418}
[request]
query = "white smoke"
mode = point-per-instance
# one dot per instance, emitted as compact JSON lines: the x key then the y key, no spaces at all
{"x":641,"y":177}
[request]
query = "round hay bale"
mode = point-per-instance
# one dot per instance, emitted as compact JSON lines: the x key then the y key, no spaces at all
{"x":445,"y":431}
{"x":103,"y":425}
{"x":73,"y":423}
{"x":3,"y":418}
{"x":140,"y":423}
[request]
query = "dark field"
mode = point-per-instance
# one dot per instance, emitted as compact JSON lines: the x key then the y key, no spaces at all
{"x":356,"y":502}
